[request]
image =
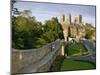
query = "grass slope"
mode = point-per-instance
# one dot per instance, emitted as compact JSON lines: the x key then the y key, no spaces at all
{"x":69,"y":65}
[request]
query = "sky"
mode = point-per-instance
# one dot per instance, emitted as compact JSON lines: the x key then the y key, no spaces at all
{"x":45,"y":11}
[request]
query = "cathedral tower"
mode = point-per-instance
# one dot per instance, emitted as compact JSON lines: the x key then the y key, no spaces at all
{"x":68,"y":19}
{"x":65,"y":23}
{"x":78,"y":19}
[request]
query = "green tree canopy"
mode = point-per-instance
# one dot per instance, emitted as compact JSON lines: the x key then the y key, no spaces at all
{"x":24,"y":31}
{"x":90,"y":31}
{"x":28,"y":33}
{"x":52,"y":30}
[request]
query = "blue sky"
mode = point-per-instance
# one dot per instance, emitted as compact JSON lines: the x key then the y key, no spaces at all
{"x":45,"y":11}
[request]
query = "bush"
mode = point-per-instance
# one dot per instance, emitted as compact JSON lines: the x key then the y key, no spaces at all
{"x":39,"y":42}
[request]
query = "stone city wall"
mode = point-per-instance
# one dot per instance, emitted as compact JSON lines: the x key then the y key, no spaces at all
{"x":23,"y":58}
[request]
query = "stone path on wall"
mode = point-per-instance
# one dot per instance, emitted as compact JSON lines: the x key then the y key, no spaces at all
{"x":89,"y":58}
{"x":90,"y":46}
{"x":34,"y":67}
{"x":92,"y":54}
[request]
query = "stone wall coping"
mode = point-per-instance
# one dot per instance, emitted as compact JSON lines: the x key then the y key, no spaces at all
{"x":28,"y":50}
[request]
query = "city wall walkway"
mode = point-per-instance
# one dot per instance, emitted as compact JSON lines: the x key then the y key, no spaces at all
{"x":35,"y":60}
{"x":91,"y":57}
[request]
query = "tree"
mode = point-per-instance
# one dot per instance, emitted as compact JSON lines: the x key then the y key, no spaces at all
{"x":89,"y":34}
{"x":28,"y":33}
{"x":90,"y":30}
{"x":52,"y":30}
{"x":13,"y":9}
{"x":26,"y":13}
{"x":25,"y":31}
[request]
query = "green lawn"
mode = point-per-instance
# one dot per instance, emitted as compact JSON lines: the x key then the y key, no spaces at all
{"x":73,"y":49}
{"x":69,"y":65}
